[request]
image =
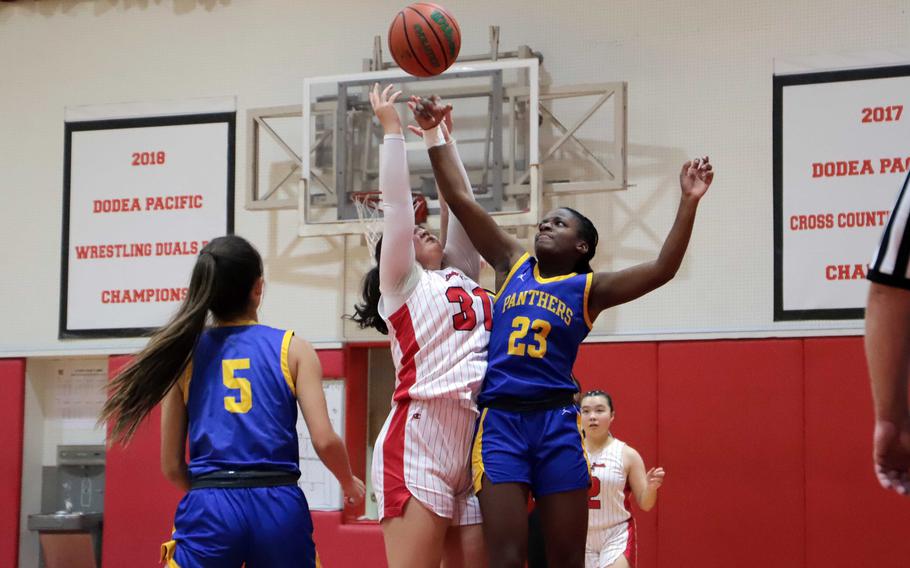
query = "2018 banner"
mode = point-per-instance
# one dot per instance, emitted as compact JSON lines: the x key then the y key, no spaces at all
{"x":142,"y":196}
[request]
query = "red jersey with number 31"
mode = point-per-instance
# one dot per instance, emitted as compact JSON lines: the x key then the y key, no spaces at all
{"x":439,"y":338}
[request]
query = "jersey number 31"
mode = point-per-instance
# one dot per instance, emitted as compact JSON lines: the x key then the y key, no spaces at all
{"x":466,"y":319}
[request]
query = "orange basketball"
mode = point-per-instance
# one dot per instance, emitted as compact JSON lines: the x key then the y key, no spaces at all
{"x":424,"y":39}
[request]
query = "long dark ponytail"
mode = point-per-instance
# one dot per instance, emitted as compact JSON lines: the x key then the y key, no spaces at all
{"x":222,"y":278}
{"x":366,"y":313}
{"x":588,"y":233}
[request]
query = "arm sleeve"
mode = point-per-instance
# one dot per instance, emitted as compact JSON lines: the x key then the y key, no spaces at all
{"x":459,"y":252}
{"x":398,"y":271}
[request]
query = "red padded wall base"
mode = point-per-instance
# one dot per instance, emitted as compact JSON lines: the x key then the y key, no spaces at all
{"x":139,"y":503}
{"x":730,"y":437}
{"x":850,"y":520}
{"x":767,"y":446}
{"x":12,"y":423}
{"x":347,"y":544}
{"x":628,"y":371}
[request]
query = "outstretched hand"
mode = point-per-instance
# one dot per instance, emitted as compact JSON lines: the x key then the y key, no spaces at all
{"x":696,"y":177}
{"x":384,"y":108}
{"x":655,"y":477}
{"x":429,"y":112}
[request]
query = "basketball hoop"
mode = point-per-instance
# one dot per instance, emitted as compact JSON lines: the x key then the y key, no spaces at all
{"x":369,"y":212}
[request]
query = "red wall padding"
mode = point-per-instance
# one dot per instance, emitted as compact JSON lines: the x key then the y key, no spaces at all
{"x":730,"y":431}
{"x":12,"y":421}
{"x":767,"y":446}
{"x":850,"y":520}
{"x":628,"y":371}
{"x":139,"y":503}
{"x":352,"y":544}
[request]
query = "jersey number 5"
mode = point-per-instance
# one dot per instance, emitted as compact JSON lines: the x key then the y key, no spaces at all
{"x":466,"y":319}
{"x":231,"y":403}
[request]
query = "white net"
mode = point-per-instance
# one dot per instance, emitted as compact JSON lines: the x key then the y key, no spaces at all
{"x":368,"y":205}
{"x":369,"y":215}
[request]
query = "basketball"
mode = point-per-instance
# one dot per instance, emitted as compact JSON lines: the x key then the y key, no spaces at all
{"x":424,"y":39}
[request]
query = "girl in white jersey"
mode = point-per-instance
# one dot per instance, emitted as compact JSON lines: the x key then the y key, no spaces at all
{"x":617,"y":475}
{"x":425,"y":297}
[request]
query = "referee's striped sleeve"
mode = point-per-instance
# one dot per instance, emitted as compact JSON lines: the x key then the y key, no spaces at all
{"x":890,"y":264}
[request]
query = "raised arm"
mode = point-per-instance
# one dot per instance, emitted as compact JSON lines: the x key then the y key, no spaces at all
{"x":613,"y":288}
{"x":397,"y":265}
{"x":499,"y":248}
{"x":458,"y":250}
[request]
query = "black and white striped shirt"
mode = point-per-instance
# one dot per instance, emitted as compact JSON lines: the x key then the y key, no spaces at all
{"x":890,"y":264}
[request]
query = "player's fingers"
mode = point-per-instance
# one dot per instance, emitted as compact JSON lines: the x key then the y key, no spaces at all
{"x":883,"y":481}
{"x":685,"y":167}
{"x":888,"y":478}
{"x":385,"y":92}
{"x":416,"y":130}
{"x":373,"y":97}
{"x":903,"y":487}
{"x":394,"y":96}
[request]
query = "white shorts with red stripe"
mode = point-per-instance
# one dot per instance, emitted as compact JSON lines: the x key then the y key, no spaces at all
{"x":423,"y":451}
{"x":605,"y":546}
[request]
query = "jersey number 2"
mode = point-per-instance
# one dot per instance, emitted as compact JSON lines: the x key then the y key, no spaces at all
{"x":594,"y":493}
{"x":466,"y":319}
{"x":232,"y":403}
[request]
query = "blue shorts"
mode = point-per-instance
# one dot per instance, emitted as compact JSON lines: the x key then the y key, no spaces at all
{"x":264,"y":527}
{"x":541,"y":448}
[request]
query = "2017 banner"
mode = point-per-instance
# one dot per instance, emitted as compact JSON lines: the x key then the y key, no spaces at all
{"x":841,"y":154}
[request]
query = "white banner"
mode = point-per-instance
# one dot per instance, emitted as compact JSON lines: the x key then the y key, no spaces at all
{"x":842,"y":151}
{"x":144,"y":195}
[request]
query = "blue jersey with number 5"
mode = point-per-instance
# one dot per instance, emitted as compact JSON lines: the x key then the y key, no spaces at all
{"x":538,"y":324}
{"x":241,"y":401}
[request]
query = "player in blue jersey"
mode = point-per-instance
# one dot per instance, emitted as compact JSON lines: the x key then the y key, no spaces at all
{"x":233,"y":389}
{"x":528,"y":435}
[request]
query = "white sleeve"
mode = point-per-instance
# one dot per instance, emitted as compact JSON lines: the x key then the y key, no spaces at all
{"x":459,"y":251}
{"x":398,"y":270}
